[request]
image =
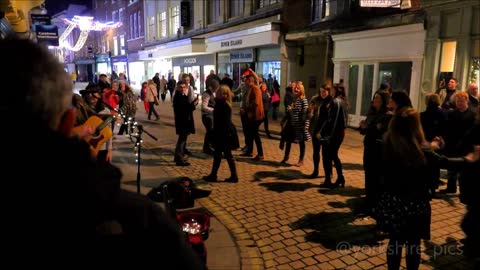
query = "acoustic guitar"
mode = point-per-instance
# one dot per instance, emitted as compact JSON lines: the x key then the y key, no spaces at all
{"x":102,"y":133}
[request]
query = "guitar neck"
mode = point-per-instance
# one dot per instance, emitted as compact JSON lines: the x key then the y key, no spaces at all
{"x":105,"y":123}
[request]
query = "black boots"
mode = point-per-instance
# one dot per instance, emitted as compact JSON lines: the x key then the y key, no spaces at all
{"x":233,"y":171}
{"x":339,"y":183}
{"x":212,"y":177}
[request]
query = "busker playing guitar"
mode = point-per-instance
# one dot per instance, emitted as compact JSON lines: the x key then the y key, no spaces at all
{"x":101,"y":146}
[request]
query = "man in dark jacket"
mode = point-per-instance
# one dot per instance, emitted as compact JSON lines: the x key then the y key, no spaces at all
{"x":67,"y":200}
{"x":183,"y":109}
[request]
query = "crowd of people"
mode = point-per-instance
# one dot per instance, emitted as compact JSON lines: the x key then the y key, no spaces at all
{"x":404,"y":150}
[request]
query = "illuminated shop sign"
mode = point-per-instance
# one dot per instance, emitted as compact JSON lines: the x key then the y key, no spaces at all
{"x":402,"y":4}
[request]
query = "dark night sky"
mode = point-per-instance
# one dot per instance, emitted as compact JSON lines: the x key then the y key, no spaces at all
{"x":55,"y":6}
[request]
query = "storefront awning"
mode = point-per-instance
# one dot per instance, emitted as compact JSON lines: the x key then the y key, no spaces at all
{"x":189,"y":46}
{"x":261,"y":35}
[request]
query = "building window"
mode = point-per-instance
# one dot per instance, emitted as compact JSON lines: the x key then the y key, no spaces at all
{"x":122,"y":44}
{"x":174,"y":20}
{"x":115,"y":46}
{"x":151,"y":28}
{"x":121,"y":15}
{"x":135,"y":33}
{"x":266,"y":3}
{"x":139,"y":20}
{"x":131,"y":26}
{"x":316,"y":10}
{"x":162,"y":24}
{"x":237,"y":8}
{"x":326,"y":8}
{"x":448,"y":56}
{"x":106,"y":16}
{"x":213,"y":11}
{"x":475,"y":71}
{"x":114,"y":16}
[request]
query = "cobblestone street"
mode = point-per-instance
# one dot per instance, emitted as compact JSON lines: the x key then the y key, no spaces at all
{"x":278,"y":218}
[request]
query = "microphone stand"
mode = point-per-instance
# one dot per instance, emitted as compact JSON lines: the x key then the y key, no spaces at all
{"x":138,"y":148}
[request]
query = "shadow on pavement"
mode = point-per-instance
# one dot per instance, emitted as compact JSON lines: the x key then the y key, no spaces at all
{"x":283,"y":174}
{"x":348,"y":191}
{"x":250,"y":160}
{"x":353,"y":166}
{"x":282,"y":186}
{"x":447,"y":255}
{"x":335,"y":230}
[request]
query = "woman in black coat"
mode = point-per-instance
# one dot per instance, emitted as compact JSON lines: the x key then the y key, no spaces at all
{"x":225,"y":137}
{"x":374,"y":127}
{"x":404,"y":208}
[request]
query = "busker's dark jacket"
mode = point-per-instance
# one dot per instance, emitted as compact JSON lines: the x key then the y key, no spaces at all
{"x":59,"y":200}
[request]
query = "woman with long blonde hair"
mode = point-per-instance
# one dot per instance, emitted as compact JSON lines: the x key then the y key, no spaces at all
{"x":225,"y":138}
{"x":297,"y":115}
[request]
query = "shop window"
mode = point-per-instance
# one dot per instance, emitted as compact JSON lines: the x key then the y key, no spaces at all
{"x":367,"y":88}
{"x":213,"y":11}
{"x":273,"y":67}
{"x":352,"y":88}
{"x":237,"y":8}
{"x":322,"y":9}
{"x":448,"y":56}
{"x":475,"y":71}
{"x":397,"y":75}
{"x":174,"y":20}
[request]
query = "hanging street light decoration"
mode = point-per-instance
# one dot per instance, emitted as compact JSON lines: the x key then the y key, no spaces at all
{"x":85,"y":24}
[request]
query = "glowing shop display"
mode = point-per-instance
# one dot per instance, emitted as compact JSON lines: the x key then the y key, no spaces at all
{"x":85,"y":24}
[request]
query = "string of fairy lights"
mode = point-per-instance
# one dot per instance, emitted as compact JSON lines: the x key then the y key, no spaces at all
{"x":132,"y":131}
{"x":86,"y":25}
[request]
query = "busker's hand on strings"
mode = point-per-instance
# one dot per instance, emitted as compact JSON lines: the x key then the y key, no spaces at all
{"x":437,"y":143}
{"x":86,"y":131}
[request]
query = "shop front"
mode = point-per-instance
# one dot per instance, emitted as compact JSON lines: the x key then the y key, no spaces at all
{"x":255,"y":48}
{"x":367,"y":59}
{"x":137,"y":71}
{"x":198,"y":65}
{"x":120,"y":65}
{"x":102,"y":64}
{"x":85,"y":70}
{"x":159,"y":58}
{"x":452,"y":47}
{"x":234,"y":63}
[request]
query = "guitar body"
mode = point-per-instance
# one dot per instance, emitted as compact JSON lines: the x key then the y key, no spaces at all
{"x":102,"y":135}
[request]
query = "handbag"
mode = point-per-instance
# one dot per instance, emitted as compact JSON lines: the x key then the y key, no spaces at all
{"x":232,"y":137}
{"x":155,"y":98}
{"x":275,"y":98}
